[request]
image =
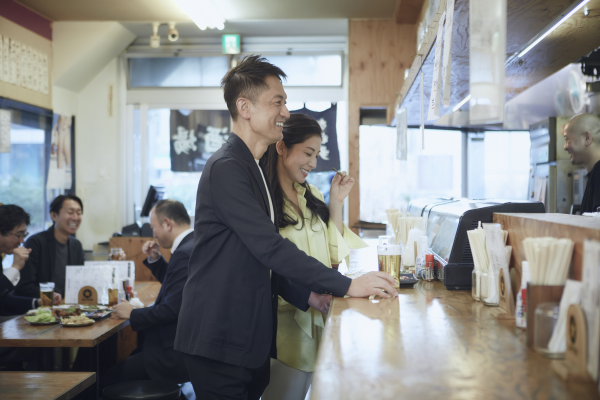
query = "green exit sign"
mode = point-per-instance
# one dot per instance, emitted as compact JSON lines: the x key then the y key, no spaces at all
{"x":231,"y":44}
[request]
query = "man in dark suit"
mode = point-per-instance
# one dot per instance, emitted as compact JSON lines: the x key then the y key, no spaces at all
{"x":52,"y":250}
{"x":170,"y":223}
{"x":13,"y":231}
{"x":240,"y":263}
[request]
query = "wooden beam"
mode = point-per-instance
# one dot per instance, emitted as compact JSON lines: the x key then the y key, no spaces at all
{"x":408,"y":11}
{"x":378,"y":53}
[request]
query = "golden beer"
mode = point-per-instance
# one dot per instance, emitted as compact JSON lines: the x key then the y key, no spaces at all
{"x":46,"y":299}
{"x":392,"y":264}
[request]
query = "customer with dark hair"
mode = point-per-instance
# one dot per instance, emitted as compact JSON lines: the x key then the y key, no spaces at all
{"x":13,"y":231}
{"x":240,"y":263}
{"x":170,"y":223}
{"x":318,"y":230}
{"x":52,"y":250}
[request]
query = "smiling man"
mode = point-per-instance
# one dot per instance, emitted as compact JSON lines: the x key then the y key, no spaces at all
{"x":240,"y":263}
{"x":54,"y":249}
{"x":582,"y":142}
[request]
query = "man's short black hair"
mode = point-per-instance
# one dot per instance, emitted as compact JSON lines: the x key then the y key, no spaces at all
{"x":57,"y":203}
{"x":247,"y":79}
{"x":174,"y":210}
{"x":12,"y":216}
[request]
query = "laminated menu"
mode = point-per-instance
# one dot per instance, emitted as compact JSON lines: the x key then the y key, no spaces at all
{"x":100,"y":277}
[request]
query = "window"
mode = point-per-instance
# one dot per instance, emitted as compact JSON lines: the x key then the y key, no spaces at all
{"x":181,"y":186}
{"x":310,"y":70}
{"x":177,"y":71}
{"x":498,"y":165}
{"x":386,"y":182}
{"x":22,"y":173}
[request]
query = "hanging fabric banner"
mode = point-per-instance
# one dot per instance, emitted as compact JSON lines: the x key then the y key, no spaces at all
{"x":195,"y":136}
{"x":329,"y":157}
{"x":434,"y":100}
{"x":61,"y":154}
{"x":487,"y":55}
{"x":447,"y":58}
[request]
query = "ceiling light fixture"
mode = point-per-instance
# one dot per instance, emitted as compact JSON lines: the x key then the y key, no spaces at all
{"x":556,"y":25}
{"x":204,"y":13}
{"x":462,"y":103}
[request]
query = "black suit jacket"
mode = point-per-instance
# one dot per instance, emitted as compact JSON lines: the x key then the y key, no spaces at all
{"x":42,"y":258}
{"x":161,"y":318}
{"x":159,"y":322}
{"x":229,"y":309}
{"x":9,"y":304}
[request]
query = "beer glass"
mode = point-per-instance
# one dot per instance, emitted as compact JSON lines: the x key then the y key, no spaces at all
{"x":115,"y":253}
{"x":46,"y":294}
{"x":390,"y":257}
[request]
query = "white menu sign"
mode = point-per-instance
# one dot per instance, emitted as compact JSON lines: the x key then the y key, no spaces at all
{"x":447,"y":59}
{"x":434,"y":100}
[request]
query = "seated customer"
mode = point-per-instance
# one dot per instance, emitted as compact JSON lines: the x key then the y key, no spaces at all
{"x":13,"y":230}
{"x":158,"y":360}
{"x":54,"y":249}
{"x":582,"y":142}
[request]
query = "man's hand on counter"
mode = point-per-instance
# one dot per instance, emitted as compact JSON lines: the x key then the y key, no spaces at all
{"x":320,"y":302}
{"x":123,"y":309}
{"x":373,"y":283}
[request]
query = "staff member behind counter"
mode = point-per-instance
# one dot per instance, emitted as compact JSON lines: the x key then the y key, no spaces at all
{"x":54,"y":249}
{"x":582,"y":142}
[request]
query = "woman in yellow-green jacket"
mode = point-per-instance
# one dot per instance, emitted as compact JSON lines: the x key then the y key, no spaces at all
{"x":315,"y":228}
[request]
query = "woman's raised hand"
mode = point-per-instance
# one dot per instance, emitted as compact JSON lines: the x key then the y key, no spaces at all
{"x":340,"y":186}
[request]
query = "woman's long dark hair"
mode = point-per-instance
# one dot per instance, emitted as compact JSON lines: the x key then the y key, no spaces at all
{"x":296,"y":129}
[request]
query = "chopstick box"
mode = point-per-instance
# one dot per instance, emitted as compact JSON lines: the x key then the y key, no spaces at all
{"x":537,"y":294}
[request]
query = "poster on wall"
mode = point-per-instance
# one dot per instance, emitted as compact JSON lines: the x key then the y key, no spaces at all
{"x":195,"y":136}
{"x":60,"y":153}
{"x":329,"y":157}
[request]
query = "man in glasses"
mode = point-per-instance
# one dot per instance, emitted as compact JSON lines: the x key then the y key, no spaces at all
{"x":13,"y":231}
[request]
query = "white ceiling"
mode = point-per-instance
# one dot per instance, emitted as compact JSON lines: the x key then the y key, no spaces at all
{"x":232,"y":10}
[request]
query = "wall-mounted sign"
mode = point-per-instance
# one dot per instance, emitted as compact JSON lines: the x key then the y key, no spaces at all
{"x":23,"y":65}
{"x":231,"y":44}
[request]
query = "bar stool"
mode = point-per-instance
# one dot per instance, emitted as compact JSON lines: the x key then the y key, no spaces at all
{"x":142,"y":390}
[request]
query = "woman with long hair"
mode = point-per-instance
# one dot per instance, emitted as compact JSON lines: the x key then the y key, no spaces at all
{"x":317,"y":229}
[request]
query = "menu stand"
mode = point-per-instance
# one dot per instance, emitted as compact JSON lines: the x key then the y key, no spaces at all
{"x":574,"y":367}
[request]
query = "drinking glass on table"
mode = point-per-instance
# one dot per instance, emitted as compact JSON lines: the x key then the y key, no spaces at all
{"x":389,"y":255}
{"x":46,"y":294}
{"x":117,"y":254}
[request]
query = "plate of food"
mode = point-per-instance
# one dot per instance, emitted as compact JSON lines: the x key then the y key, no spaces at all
{"x":76,"y":321}
{"x":407,"y":280}
{"x":72,"y":311}
{"x":41,"y":317}
{"x":93,"y":308}
{"x":98,"y":314}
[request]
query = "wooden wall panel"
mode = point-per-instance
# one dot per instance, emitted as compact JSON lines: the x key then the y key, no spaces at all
{"x":132,"y":246}
{"x":378,"y":53}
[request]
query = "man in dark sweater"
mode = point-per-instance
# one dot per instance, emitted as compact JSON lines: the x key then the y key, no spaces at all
{"x":54,"y":249}
{"x":158,"y":360}
{"x":582,"y":142}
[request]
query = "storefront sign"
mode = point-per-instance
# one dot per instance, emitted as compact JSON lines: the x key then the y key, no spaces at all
{"x":195,"y":136}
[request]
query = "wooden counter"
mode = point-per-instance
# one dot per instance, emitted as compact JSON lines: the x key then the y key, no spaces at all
{"x":574,"y":227}
{"x":44,"y":385}
{"x":430,"y":343}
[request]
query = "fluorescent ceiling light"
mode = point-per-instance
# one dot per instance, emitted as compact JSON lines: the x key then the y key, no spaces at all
{"x":204,"y":13}
{"x":462,"y":103}
{"x":549,"y":31}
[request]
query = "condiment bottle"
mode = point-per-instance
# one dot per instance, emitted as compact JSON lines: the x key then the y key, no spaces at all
{"x":429,"y":276}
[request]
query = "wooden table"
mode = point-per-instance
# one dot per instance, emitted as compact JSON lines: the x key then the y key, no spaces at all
{"x":430,"y":343}
{"x":44,"y":385}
